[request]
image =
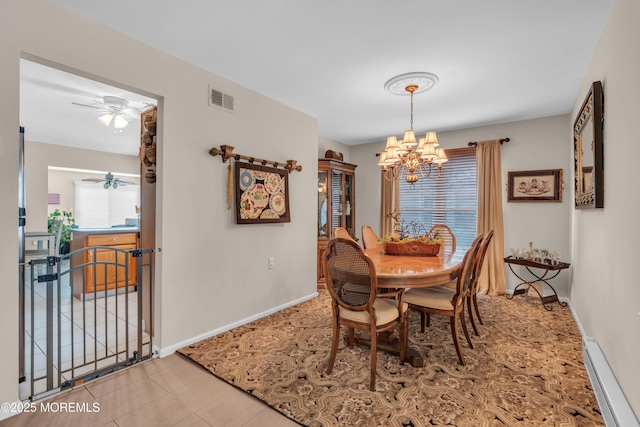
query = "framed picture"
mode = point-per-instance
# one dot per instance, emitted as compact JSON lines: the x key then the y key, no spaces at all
{"x":262,"y":194}
{"x":535,"y":186}
{"x":588,"y":131}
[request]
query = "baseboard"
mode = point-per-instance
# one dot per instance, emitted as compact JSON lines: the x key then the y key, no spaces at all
{"x":614,"y":406}
{"x":166,"y":351}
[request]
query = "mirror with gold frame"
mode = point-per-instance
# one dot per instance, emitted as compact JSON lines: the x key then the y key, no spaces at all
{"x":588,"y":155}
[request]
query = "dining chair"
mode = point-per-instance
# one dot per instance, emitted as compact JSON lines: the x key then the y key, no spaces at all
{"x":472,"y":299}
{"x":448,"y":238}
{"x":342,"y":232}
{"x":43,"y":253}
{"x":446,"y":301}
{"x":345,"y":262}
{"x":370,"y":238}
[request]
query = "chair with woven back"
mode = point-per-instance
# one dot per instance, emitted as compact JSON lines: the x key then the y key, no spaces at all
{"x":342,"y":232}
{"x":448,"y":238}
{"x":446,"y":301}
{"x":370,"y":238}
{"x":345,"y":263}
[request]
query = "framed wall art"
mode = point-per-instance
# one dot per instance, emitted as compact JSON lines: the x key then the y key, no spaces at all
{"x":535,"y":186}
{"x":261,"y":194}
{"x":588,"y":130}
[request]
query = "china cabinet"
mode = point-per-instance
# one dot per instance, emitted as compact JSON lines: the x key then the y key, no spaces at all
{"x":336,"y":203}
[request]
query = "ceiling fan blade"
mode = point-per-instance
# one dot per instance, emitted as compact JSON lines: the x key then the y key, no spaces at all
{"x":121,"y":181}
{"x":87,"y":105}
{"x":93,"y":180}
{"x":132,"y":113}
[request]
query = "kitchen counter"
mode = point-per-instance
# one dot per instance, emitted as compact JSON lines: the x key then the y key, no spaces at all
{"x":105,"y":230}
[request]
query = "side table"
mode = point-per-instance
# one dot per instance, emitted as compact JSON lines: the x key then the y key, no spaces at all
{"x":524,"y":286}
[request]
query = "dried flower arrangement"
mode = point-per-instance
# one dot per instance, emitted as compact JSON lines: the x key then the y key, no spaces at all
{"x":410,"y":238}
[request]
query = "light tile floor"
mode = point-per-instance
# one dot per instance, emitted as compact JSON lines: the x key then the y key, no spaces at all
{"x":98,"y":328}
{"x":172,"y":391}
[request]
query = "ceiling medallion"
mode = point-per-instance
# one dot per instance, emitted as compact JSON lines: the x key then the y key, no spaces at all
{"x":424,"y":82}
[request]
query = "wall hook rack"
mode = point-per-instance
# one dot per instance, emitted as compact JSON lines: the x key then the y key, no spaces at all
{"x":226,"y":153}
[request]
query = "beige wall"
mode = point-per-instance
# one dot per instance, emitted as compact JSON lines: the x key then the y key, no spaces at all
{"x":604,"y":289}
{"x":39,"y":179}
{"x":325,"y":144}
{"x":206,"y":260}
{"x":535,"y":144}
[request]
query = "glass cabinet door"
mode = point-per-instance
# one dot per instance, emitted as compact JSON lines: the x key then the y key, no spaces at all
{"x":349,"y":221}
{"x":337,"y":201}
{"x":323,"y":204}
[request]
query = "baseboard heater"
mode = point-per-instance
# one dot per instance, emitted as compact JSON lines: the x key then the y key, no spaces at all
{"x":615,"y":408}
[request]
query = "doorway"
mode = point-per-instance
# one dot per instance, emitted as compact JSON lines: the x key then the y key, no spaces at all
{"x":64,"y":117}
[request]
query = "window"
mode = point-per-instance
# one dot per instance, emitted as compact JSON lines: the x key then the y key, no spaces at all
{"x":450,"y":199}
{"x":97,"y":207}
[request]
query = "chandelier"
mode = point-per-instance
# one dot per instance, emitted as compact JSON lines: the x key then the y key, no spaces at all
{"x":409,"y":155}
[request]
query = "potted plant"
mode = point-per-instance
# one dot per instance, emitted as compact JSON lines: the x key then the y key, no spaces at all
{"x":68,"y":222}
{"x":410,"y":238}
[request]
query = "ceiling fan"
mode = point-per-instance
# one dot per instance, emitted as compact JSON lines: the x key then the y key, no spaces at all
{"x":110,"y":181}
{"x":115,"y":111}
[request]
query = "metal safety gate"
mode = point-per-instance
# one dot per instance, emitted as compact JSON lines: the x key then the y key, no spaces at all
{"x":74,"y":332}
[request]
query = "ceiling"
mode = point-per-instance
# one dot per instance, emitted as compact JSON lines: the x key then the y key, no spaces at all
{"x":497,"y":60}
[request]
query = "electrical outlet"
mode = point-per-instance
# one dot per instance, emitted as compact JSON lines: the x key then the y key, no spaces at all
{"x":272,"y":263}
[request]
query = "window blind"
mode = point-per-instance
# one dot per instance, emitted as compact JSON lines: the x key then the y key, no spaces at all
{"x":99,"y":208}
{"x":450,"y":199}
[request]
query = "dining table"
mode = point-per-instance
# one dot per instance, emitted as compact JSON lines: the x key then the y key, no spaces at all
{"x":410,"y":271}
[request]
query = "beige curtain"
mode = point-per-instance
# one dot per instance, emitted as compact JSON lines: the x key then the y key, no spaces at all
{"x":390,"y":200}
{"x":489,"y":169}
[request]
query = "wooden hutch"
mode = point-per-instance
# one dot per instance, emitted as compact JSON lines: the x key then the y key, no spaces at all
{"x":336,"y":203}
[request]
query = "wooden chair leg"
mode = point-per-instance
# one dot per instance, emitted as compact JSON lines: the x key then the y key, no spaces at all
{"x":456,"y":338}
{"x":422,"y":321}
{"x":473,"y":321}
{"x":464,"y":327}
{"x":351,"y":338}
{"x":334,"y":346}
{"x":374,"y":359}
{"x":475,"y":306}
{"x":428,"y":320}
{"x":404,"y":338}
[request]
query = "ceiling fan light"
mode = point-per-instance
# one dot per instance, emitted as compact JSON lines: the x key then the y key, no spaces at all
{"x":106,"y":119}
{"x":119,"y":122}
{"x":106,"y":185}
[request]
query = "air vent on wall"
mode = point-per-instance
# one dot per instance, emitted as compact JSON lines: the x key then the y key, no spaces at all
{"x":220,"y":99}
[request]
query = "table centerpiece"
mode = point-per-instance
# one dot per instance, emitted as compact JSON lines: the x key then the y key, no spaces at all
{"x":410,"y":238}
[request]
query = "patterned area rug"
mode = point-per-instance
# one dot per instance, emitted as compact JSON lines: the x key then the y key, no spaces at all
{"x":526,"y":370}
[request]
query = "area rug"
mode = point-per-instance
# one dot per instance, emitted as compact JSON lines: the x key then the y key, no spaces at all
{"x":526,"y":369}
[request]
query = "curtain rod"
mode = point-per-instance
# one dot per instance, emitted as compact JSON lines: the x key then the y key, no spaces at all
{"x":475,"y":143}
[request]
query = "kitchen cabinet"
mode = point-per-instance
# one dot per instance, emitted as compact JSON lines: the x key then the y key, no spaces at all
{"x":96,"y":276}
{"x":336,"y":203}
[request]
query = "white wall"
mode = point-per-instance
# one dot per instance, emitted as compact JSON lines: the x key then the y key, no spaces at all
{"x":535,"y":144}
{"x":604,"y":290}
{"x":210,"y":272}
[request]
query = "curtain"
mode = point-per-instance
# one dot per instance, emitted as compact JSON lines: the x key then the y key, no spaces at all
{"x":491,"y":280}
{"x":390,"y":202}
